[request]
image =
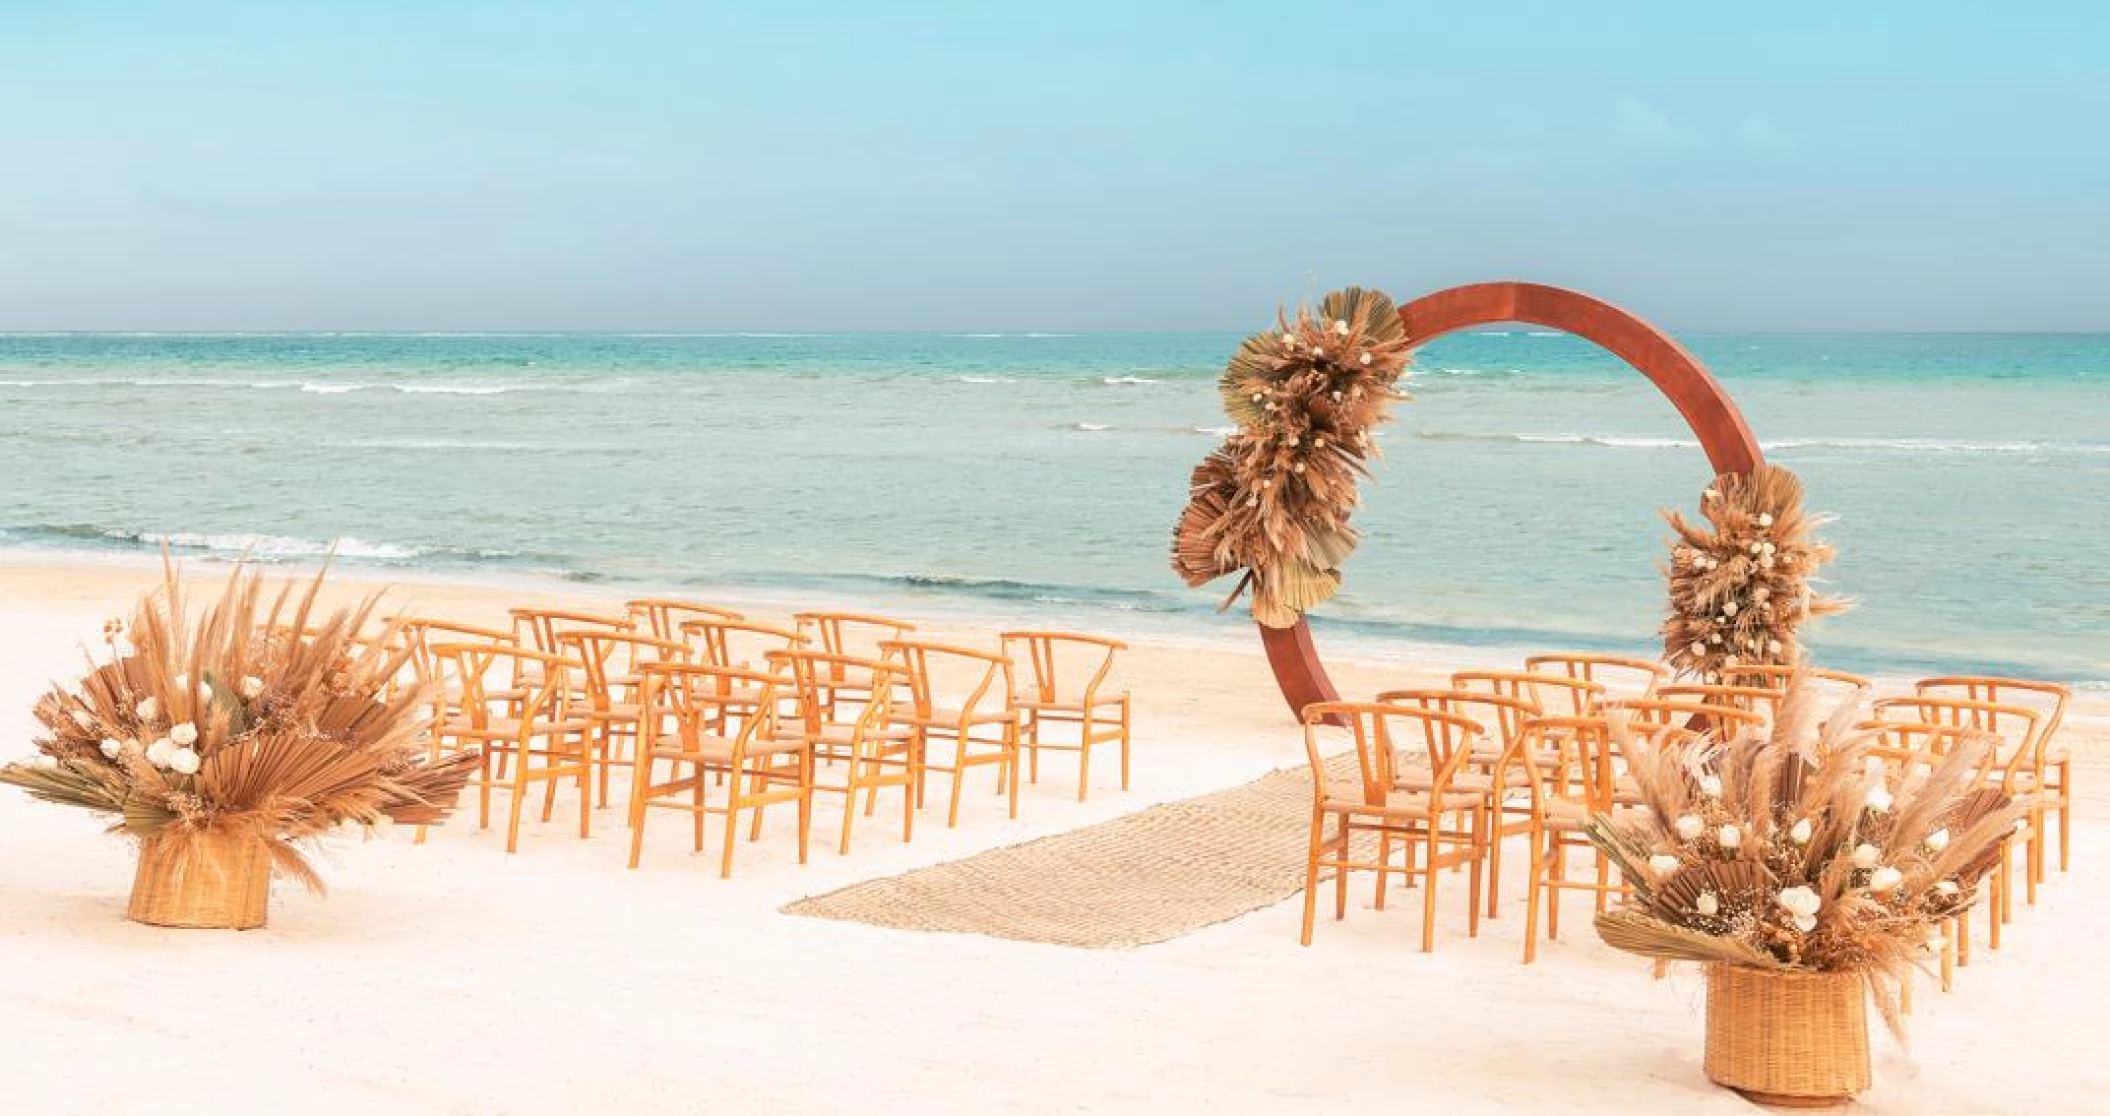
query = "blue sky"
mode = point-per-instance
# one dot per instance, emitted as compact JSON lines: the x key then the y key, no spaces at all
{"x":1050,"y":166}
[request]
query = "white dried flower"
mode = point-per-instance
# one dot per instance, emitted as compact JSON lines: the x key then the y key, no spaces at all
{"x":1758,"y":548}
{"x":1800,"y":832}
{"x":1867,"y":855}
{"x":159,"y":751}
{"x":1366,"y":360}
{"x":1711,"y":786}
{"x":1257,"y":397}
{"x":148,"y":709}
{"x":185,"y":734}
{"x":1297,"y":468}
{"x":1729,"y":609}
{"x":1773,"y":647}
{"x":1878,"y":800}
{"x":1886,"y":878}
{"x":1765,"y":519}
{"x":1690,"y":827}
{"x":1698,"y":648}
{"x":1729,"y":836}
{"x":1802,"y":905}
{"x":1663,"y":864}
{"x":1938,"y":840}
{"x":112,"y":748}
{"x":252,"y":687}
{"x":1340,"y":326}
{"x":1337,"y":397}
{"x":1765,"y":562}
{"x":1707,"y":904}
{"x":204,"y":691}
{"x":183,"y":761}
{"x":1946,"y":887}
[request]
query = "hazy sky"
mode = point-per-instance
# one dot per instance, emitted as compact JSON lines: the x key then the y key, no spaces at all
{"x":1071,"y":165}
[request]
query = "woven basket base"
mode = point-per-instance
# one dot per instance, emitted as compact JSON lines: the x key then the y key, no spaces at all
{"x":204,"y":881}
{"x":1792,"y":1040}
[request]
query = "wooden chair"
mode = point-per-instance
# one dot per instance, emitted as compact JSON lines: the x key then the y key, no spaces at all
{"x":723,"y":723}
{"x":538,"y":732}
{"x":1437,"y":827}
{"x":740,"y":644}
{"x":1492,"y":764}
{"x":853,"y":634}
{"x":1912,"y":748}
{"x":432,"y":673}
{"x":2018,"y":761}
{"x":2054,"y":761}
{"x":543,"y":626}
{"x":664,"y":617}
{"x":1630,"y":677}
{"x":980,"y":729}
{"x":1056,"y":696}
{"x":1582,"y":781}
{"x":612,"y":663}
{"x":876,"y":752}
{"x":1552,"y":693}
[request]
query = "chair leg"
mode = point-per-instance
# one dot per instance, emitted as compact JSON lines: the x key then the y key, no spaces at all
{"x":585,"y":801}
{"x":959,"y":775}
{"x":805,"y":804}
{"x":1311,"y":873}
{"x":640,"y":783}
{"x":849,"y":810}
{"x":1428,"y":894}
{"x":1478,"y":852}
{"x":1557,"y":875}
{"x":1033,"y":749}
{"x":2065,"y":812}
{"x":1125,"y":744}
{"x":1384,"y":863}
{"x":1010,"y":765}
{"x":1340,"y":874}
{"x":1084,"y":759}
{"x":1494,"y":861}
{"x":1533,"y":885}
{"x":732,"y":823}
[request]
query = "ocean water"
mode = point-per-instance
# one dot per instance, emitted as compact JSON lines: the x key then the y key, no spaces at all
{"x":1040,"y":474}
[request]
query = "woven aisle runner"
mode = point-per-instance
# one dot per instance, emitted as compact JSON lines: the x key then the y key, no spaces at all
{"x":1147,"y":877}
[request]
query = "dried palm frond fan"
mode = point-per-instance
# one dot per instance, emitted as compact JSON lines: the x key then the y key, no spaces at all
{"x":222,"y":743}
{"x":1274,"y":500}
{"x":1740,"y":582}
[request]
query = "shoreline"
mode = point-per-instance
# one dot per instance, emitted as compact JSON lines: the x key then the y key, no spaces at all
{"x":1351,"y":642}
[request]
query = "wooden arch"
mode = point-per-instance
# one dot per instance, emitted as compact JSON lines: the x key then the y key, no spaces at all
{"x":1679,"y":375}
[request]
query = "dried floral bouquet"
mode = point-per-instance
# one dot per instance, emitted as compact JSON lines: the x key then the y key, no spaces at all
{"x":257,"y":722}
{"x":1805,"y":848}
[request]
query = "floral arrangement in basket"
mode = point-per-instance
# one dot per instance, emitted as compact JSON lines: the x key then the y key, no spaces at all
{"x":1799,"y":849}
{"x":1275,"y":498}
{"x":1740,"y":583}
{"x":223,"y":743}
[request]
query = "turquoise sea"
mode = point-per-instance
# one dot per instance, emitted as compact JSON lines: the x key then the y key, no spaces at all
{"x":1041,"y":473}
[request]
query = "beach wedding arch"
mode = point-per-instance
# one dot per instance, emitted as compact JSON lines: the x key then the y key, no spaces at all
{"x":1274,"y":500}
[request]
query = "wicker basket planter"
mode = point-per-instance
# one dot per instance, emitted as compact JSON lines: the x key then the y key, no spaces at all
{"x":1792,"y":1039}
{"x":204,"y":881}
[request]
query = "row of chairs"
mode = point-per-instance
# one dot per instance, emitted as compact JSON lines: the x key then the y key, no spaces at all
{"x":1445,"y":777}
{"x":712,"y":713}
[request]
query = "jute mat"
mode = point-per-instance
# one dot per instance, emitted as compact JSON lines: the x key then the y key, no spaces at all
{"x":1148,"y":877}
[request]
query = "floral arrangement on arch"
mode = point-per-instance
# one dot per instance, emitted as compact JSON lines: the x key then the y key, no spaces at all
{"x":1740,"y":583}
{"x":1275,"y":498}
{"x":272,"y":724}
{"x":1805,"y":847}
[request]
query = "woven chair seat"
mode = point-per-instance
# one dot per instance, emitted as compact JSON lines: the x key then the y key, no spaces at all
{"x":506,"y":728}
{"x":1347,"y":798}
{"x":719,"y":749}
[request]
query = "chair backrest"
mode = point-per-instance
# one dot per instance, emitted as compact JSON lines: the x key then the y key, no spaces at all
{"x":741,"y":644}
{"x":1060,"y":661}
{"x":2049,"y":699}
{"x":1572,"y":761}
{"x":543,"y":625}
{"x":606,"y":656}
{"x":1906,"y":746}
{"x":529,"y":684}
{"x":1552,"y":693}
{"x":739,"y":705}
{"x":981,"y":679}
{"x":1626,"y":675}
{"x":2019,"y":727}
{"x":421,"y":634}
{"x":1650,"y":714}
{"x":1753,"y":699}
{"x":855,"y":634}
{"x":1772,"y":676}
{"x":1500,"y":716}
{"x":664,"y":617}
{"x":1379,"y":731}
{"x":821,"y":679}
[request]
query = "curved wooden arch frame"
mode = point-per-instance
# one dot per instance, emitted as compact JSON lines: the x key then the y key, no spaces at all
{"x":1679,"y":375}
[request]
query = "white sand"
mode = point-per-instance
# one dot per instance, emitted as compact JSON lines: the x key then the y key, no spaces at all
{"x":450,"y":977}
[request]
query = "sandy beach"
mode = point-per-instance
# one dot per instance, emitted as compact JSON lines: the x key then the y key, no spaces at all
{"x":451,"y":978}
